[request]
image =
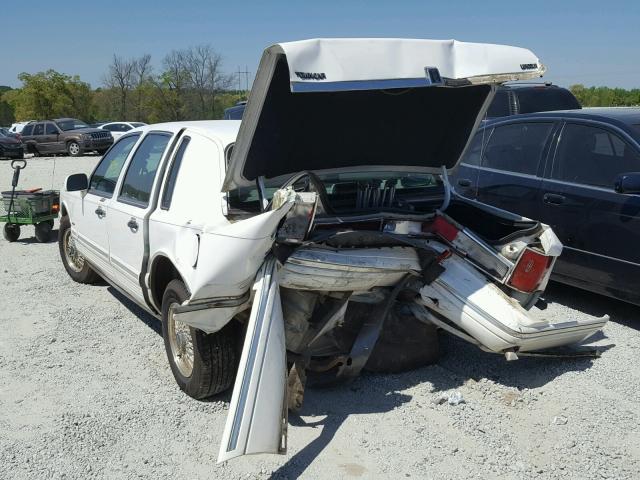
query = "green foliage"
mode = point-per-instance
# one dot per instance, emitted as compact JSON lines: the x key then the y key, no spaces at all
{"x":7,"y":116}
{"x":51,"y":94}
{"x":605,"y":96}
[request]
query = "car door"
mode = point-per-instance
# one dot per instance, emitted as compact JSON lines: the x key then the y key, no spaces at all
{"x":512,"y":164}
{"x":599,"y":228}
{"x":129,"y":212}
{"x":465,"y":179}
{"x":38,"y":137}
{"x":50,"y":138}
{"x":90,"y":222}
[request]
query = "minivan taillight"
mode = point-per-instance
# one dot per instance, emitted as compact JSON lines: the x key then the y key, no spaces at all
{"x":529,"y":271}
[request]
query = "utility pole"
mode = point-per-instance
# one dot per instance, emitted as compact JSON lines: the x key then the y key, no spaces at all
{"x":246,"y":73}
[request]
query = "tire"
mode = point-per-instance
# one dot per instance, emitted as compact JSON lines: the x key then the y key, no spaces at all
{"x":74,"y":149}
{"x":11,"y":232}
{"x":405,"y":343}
{"x":212,"y":357}
{"x":43,"y":232}
{"x":76,"y":266}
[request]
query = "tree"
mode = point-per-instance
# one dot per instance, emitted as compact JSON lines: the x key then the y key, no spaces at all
{"x":51,"y":94}
{"x":119,"y":77}
{"x":203,"y":68}
{"x":6,"y":109}
{"x":142,"y":72}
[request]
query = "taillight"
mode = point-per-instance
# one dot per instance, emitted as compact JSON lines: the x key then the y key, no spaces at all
{"x":55,"y":208}
{"x":529,"y":270}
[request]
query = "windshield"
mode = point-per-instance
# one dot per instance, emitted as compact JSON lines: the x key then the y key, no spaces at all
{"x":71,"y":124}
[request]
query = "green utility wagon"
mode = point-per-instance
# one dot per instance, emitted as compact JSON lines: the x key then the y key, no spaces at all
{"x":28,"y":207}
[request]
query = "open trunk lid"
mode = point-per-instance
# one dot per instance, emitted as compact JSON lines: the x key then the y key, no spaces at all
{"x":387,"y":104}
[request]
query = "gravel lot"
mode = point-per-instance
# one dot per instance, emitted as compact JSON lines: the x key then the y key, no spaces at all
{"x":86,"y":392}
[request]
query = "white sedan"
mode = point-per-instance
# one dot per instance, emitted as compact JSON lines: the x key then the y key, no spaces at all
{"x":118,"y":129}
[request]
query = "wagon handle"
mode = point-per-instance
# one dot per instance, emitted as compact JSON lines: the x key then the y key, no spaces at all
{"x":15,"y":164}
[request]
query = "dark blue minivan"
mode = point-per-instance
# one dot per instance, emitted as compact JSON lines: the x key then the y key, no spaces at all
{"x":576,"y":170}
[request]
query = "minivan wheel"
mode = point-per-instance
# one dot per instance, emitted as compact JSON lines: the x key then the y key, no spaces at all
{"x":74,"y":263}
{"x":202,"y":364}
{"x":73,"y":148}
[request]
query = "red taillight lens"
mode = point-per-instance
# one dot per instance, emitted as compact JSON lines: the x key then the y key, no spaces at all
{"x":441,"y":227}
{"x":55,"y":208}
{"x":529,"y":270}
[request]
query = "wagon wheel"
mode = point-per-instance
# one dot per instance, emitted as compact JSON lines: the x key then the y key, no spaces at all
{"x":11,"y":232}
{"x":43,"y":232}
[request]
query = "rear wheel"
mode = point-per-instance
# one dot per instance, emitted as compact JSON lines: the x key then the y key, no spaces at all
{"x":11,"y":232}
{"x":43,"y":231}
{"x":73,"y":149}
{"x":202,"y":364}
{"x":74,"y":263}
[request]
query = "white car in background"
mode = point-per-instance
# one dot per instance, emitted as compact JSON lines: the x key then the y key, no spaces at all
{"x":118,"y":129}
{"x":18,"y":126}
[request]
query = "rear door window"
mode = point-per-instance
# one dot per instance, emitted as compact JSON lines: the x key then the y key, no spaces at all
{"x":104,"y":178}
{"x":142,"y":169}
{"x":517,"y":147}
{"x":593,"y":156}
{"x":167,"y":195}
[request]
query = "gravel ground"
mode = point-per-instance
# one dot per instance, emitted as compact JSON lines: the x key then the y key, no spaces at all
{"x":86,"y":392}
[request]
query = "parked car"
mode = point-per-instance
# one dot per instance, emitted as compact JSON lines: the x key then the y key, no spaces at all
{"x":516,"y":98}
{"x":10,"y":146}
{"x":571,"y":170}
{"x":324,"y":244}
{"x":510,"y":99}
{"x":64,"y":135}
{"x":118,"y":129}
{"x":235,"y":112}
{"x":7,"y":132}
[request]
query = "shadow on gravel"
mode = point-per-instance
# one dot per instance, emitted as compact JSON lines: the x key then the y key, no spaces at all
{"x":148,"y":319}
{"x":594,"y":304}
{"x":27,"y":237}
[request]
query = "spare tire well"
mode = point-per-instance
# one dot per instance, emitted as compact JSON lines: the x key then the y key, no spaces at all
{"x":162,"y":272}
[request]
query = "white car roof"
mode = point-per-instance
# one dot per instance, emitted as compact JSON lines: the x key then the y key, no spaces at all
{"x":224,"y":130}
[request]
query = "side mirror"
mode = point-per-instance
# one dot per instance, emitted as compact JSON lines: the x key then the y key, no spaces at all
{"x":627,"y":183}
{"x":76,"y":182}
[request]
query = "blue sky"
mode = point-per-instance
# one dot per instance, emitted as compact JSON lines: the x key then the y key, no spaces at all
{"x":589,"y":42}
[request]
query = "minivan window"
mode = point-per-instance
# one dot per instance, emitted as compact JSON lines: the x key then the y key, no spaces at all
{"x":593,"y":156}
{"x":142,"y":169}
{"x":517,"y":147}
{"x":105,"y":176}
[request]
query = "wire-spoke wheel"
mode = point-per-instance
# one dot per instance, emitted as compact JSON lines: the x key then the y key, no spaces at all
{"x":203,"y":364}
{"x":181,"y":343}
{"x":73,"y":261}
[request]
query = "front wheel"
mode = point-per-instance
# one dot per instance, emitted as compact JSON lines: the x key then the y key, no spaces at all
{"x":74,"y":263}
{"x":73,"y":148}
{"x":202,"y":364}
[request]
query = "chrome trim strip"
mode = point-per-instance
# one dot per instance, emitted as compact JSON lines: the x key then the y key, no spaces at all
{"x":219,"y":302}
{"x":603,"y":256}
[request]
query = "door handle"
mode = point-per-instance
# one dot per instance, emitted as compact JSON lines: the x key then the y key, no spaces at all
{"x":553,"y":198}
{"x":100,"y":212}
{"x":464,"y":182}
{"x":133,"y":225}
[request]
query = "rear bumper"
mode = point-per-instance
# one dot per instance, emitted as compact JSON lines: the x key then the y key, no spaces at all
{"x":11,"y":152}
{"x":497,"y":322}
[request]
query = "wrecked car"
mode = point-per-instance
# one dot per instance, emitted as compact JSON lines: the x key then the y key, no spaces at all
{"x":300,"y":248}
